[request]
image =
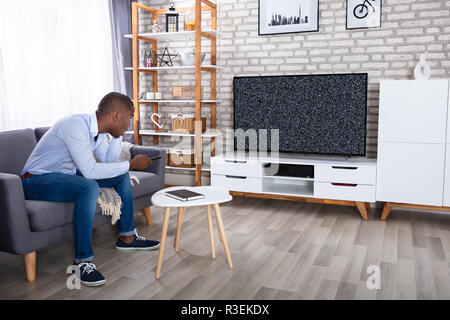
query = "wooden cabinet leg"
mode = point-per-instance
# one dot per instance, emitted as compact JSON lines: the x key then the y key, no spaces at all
{"x":163,"y":241}
{"x":386,"y":210}
{"x":30,"y":266}
{"x":222,"y":232}
{"x":362,"y":210}
{"x":148,"y":216}
{"x":367,"y":205}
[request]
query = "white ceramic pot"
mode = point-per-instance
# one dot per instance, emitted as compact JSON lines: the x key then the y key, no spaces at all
{"x":188,"y":59}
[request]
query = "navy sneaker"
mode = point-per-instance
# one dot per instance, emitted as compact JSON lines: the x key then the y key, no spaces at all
{"x":89,"y":276}
{"x":139,"y":243}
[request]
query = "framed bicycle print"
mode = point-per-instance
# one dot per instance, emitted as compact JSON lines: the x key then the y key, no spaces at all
{"x":288,"y":16}
{"x":363,"y":14}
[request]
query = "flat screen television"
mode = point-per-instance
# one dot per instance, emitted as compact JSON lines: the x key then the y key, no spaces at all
{"x":320,"y":114}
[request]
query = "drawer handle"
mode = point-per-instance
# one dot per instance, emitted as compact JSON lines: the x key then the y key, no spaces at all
{"x":346,"y":168}
{"x":344,"y":184}
{"x":235,"y":177}
{"x":235,"y":161}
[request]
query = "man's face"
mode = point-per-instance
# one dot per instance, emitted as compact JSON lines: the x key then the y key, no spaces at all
{"x":120,"y":122}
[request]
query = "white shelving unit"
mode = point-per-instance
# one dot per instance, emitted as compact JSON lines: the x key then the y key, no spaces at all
{"x":205,"y":168}
{"x":174,"y":36}
{"x":288,"y":186}
{"x":174,"y":68}
{"x":206,"y":134}
{"x":176,"y":101}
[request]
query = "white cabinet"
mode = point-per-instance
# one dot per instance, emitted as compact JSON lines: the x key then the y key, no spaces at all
{"x":447,"y":178}
{"x":410,"y":173}
{"x":413,"y":111}
{"x":448,"y":114}
{"x":311,"y":177}
{"x":413,"y":141}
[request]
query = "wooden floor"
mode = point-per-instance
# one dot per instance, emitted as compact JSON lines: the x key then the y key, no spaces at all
{"x":280,"y":250}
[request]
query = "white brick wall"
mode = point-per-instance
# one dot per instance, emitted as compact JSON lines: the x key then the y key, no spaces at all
{"x":409,"y":27}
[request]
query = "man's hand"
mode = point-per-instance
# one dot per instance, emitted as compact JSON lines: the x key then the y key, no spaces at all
{"x":140,"y":162}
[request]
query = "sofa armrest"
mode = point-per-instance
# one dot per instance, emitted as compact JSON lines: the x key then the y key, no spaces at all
{"x":158,"y":166}
{"x":14,"y":222}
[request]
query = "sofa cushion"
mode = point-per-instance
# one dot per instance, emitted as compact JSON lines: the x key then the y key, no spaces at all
{"x":148,"y":183}
{"x":46,"y":215}
{"x":15,"y":148}
{"x":39,"y":132}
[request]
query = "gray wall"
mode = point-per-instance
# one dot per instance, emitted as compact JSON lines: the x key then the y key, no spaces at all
{"x":409,"y":28}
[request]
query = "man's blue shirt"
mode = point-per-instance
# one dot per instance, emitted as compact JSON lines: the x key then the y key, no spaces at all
{"x":70,"y":144}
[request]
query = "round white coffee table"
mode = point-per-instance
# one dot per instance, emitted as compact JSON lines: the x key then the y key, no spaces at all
{"x":212,"y":196}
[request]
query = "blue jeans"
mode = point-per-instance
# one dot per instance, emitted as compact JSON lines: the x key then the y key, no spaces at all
{"x":84,"y":192}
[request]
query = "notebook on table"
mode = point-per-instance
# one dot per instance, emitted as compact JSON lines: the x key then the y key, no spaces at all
{"x":184,"y":195}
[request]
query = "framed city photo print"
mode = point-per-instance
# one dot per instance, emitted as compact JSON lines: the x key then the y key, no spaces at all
{"x":288,"y":16}
{"x":363,"y":14}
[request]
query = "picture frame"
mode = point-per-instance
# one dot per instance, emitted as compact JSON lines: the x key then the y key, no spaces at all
{"x":363,"y":14}
{"x":287,"y":16}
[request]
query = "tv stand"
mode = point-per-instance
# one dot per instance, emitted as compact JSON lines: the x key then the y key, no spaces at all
{"x":318,"y":179}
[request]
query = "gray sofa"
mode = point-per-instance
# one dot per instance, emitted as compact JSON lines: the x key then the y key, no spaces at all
{"x":26,"y":226}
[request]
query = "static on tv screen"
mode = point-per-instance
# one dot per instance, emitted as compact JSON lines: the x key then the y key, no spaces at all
{"x":321,"y":114}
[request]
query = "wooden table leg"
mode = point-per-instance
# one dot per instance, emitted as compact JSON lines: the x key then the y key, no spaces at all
{"x":218,"y":230}
{"x":163,"y":241}
{"x":362,"y":210}
{"x":210,"y":227}
{"x":386,"y":210}
{"x":222,"y":232}
{"x":176,"y":242}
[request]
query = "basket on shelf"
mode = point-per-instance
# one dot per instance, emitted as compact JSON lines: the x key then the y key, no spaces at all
{"x":185,"y":92}
{"x":186,"y":123}
{"x":181,"y":158}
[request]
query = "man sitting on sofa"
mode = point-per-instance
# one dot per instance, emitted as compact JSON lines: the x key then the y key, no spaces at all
{"x":62,"y":168}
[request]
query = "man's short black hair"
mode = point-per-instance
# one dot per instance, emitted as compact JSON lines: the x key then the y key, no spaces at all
{"x":114,"y":101}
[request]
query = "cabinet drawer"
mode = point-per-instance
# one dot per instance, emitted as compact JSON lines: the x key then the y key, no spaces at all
{"x":346,"y":174}
{"x":237,"y":168}
{"x":237,"y":183}
{"x":356,"y":192}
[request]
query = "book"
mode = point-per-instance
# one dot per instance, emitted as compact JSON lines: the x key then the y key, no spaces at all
{"x":184,"y":195}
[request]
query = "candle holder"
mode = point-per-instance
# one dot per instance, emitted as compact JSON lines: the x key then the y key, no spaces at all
{"x":172,"y":19}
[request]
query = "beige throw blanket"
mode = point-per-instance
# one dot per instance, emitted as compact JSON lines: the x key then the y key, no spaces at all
{"x":109,"y":200}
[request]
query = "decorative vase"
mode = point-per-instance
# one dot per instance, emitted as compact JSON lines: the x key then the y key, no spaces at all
{"x":422,"y":70}
{"x":155,"y":27}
